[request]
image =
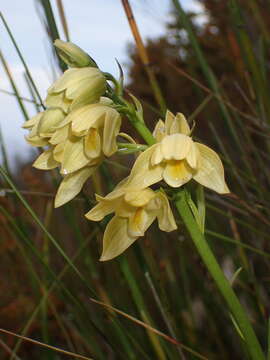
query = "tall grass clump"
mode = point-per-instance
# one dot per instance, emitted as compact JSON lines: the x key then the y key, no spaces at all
{"x":181,"y":228}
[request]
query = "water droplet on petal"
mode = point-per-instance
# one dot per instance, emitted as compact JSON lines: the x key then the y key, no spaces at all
{"x":65,"y":171}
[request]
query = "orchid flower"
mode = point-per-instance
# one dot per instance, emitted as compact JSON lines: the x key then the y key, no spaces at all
{"x":134,"y":212}
{"x":177,"y":159}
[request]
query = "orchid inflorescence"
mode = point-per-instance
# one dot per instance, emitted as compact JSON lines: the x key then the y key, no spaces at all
{"x":79,"y":129}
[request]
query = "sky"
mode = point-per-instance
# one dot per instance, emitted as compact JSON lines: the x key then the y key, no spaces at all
{"x":98,"y":26}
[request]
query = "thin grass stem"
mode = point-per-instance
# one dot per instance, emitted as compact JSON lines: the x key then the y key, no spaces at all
{"x":144,"y":56}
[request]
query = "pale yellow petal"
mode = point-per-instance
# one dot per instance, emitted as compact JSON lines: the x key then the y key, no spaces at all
{"x":72,"y":80}
{"x":147,"y":178}
{"x":33,"y":137}
{"x":74,"y":157}
{"x":113,"y":202}
{"x":177,"y":173}
{"x":58,"y":152}
{"x":46,"y":161}
{"x":143,"y":174}
{"x":123,"y":209}
{"x":116,"y":204}
{"x":71,"y":185}
{"x":157,"y":156}
{"x":140,"y":222}
{"x":116,"y":194}
{"x":58,"y":100}
{"x":36,"y":140}
{"x":210,"y":172}
{"x":99,"y":211}
{"x":166,"y":221}
{"x":51,"y":119}
{"x":84,"y":80}
{"x":88,"y":95}
{"x":118,"y":191}
{"x":159,"y":130}
{"x":140,"y":197}
{"x":92,"y":144}
{"x":69,"y":77}
{"x":142,"y":162}
{"x":34,"y":130}
{"x":175,"y":146}
{"x":31,"y":122}
{"x":60,"y":135}
{"x":193,"y":156}
{"x":111,"y":129}
{"x":79,"y":88}
{"x":86,"y":117}
{"x":116,"y":238}
{"x":168,"y":121}
{"x":122,"y":183}
{"x":180,"y":125}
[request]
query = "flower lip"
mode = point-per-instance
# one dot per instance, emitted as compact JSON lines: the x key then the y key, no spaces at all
{"x":172,"y":147}
{"x":139,"y":198}
{"x":177,"y":173}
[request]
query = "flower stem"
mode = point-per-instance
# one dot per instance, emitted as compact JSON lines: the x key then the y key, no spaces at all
{"x":142,"y":129}
{"x":134,"y":119}
{"x":139,"y":147}
{"x":222,"y":283}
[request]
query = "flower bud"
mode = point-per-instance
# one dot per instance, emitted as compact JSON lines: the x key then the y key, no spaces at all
{"x":73,"y":55}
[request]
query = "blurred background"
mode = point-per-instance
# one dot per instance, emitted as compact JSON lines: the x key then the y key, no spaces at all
{"x":211,"y":60}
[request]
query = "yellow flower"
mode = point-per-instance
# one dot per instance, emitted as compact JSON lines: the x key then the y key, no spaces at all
{"x":176,"y":159}
{"x":92,"y":134}
{"x":99,"y":124}
{"x":134,"y":212}
{"x":77,"y":143}
{"x":76,"y":87}
{"x":72,"y":54}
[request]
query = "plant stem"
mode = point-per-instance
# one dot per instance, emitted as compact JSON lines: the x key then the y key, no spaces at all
{"x":222,"y":283}
{"x":142,"y":129}
{"x":22,"y":59}
{"x":14,"y":87}
{"x":144,"y":56}
{"x":139,"y":301}
{"x":51,"y":27}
